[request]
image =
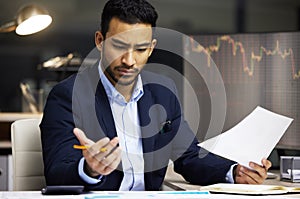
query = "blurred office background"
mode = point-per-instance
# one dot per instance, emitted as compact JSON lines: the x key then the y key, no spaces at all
{"x":75,"y":21}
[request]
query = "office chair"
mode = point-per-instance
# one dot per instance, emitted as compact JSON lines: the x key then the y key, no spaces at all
{"x":28,"y":166}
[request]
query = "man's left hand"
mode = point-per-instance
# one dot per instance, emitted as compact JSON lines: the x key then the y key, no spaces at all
{"x":258,"y":174}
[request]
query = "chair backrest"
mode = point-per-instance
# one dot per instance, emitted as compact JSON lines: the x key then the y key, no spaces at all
{"x":28,"y":166}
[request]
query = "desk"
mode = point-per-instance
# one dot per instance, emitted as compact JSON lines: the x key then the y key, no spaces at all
{"x":176,"y":182}
{"x":172,"y":180}
{"x":135,"y":195}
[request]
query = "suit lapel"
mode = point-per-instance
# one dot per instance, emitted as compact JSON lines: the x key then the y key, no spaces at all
{"x":148,"y":140}
{"x":104,"y":113}
{"x":91,"y":105}
{"x":144,"y":104}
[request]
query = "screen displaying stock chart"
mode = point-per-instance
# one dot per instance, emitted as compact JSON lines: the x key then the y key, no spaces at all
{"x":257,"y":69}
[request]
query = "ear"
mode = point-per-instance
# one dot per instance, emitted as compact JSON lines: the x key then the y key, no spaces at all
{"x":99,"y":40}
{"x":153,"y":44}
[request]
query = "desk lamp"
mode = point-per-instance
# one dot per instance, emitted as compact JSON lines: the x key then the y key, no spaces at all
{"x":30,"y":19}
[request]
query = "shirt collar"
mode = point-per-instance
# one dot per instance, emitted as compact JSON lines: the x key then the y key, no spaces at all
{"x":114,"y":95}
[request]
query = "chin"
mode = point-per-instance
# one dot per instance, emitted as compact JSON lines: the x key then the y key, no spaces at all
{"x":126,"y":81}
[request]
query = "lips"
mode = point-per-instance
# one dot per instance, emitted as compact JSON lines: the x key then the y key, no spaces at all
{"x":124,"y":71}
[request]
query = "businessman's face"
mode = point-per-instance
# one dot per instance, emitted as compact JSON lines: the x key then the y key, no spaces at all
{"x":125,"y":50}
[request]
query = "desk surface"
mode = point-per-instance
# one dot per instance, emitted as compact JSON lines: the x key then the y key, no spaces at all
{"x":136,"y":195}
{"x":176,"y":182}
{"x":172,"y":180}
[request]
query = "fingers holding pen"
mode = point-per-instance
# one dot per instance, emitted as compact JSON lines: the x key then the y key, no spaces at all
{"x":105,"y":149}
{"x":104,"y":156}
{"x":101,"y":157}
{"x":111,"y":161}
{"x":101,"y":148}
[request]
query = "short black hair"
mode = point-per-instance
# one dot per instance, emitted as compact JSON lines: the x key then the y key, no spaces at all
{"x":128,"y":11}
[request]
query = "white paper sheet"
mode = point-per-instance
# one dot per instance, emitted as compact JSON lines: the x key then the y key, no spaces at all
{"x":250,"y":140}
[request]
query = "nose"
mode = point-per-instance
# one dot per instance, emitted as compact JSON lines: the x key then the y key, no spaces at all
{"x":128,"y":58}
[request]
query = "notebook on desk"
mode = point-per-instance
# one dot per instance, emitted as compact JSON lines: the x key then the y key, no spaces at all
{"x":249,"y":189}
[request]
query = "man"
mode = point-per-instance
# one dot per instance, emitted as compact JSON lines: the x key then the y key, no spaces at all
{"x":128,"y":121}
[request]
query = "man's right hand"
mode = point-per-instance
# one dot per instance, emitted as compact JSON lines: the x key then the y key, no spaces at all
{"x":102,"y":157}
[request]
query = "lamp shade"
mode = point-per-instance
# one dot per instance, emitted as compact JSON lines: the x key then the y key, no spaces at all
{"x":31,"y":19}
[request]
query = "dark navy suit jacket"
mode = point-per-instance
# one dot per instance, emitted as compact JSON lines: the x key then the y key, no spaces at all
{"x":80,"y":101}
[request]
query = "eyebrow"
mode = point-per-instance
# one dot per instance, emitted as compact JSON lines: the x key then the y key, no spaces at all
{"x":145,"y":44}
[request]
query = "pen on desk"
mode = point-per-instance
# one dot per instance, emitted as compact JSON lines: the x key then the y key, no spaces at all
{"x":75,"y":146}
